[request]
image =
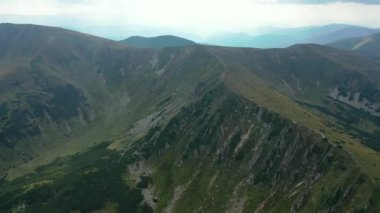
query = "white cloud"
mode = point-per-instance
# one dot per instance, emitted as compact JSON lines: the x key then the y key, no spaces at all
{"x":196,"y":16}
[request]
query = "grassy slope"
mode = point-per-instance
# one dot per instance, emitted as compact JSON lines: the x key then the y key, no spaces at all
{"x":151,"y":94}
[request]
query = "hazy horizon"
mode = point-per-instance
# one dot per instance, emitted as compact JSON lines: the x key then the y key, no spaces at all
{"x":195,"y":20}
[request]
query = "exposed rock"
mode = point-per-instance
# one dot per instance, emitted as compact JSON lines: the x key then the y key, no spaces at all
{"x":354,"y":100}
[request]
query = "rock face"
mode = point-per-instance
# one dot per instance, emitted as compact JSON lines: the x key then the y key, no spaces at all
{"x":356,"y":101}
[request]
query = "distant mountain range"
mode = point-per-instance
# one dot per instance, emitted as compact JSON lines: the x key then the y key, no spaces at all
{"x":367,"y":45}
{"x":157,"y":42}
{"x":278,"y":38}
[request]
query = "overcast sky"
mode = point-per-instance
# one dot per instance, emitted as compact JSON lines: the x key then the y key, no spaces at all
{"x":114,"y":18}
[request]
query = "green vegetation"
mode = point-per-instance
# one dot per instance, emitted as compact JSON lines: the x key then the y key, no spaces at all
{"x":85,"y":182}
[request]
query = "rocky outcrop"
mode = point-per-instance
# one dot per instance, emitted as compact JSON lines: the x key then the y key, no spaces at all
{"x":356,"y":100}
{"x":226,"y":140}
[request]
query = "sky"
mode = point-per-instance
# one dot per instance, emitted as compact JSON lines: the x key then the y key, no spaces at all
{"x":117,"y":19}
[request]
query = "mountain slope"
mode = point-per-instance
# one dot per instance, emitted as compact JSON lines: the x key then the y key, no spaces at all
{"x":220,"y":154}
{"x":78,"y":94}
{"x":368,"y":45}
{"x":193,"y":128}
{"x":157,"y":42}
{"x":235,"y":156}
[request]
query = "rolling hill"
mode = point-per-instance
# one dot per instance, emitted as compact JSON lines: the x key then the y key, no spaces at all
{"x":88,"y":124}
{"x":157,"y":42}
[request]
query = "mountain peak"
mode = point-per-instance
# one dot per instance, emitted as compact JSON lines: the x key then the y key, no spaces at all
{"x":157,"y":41}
